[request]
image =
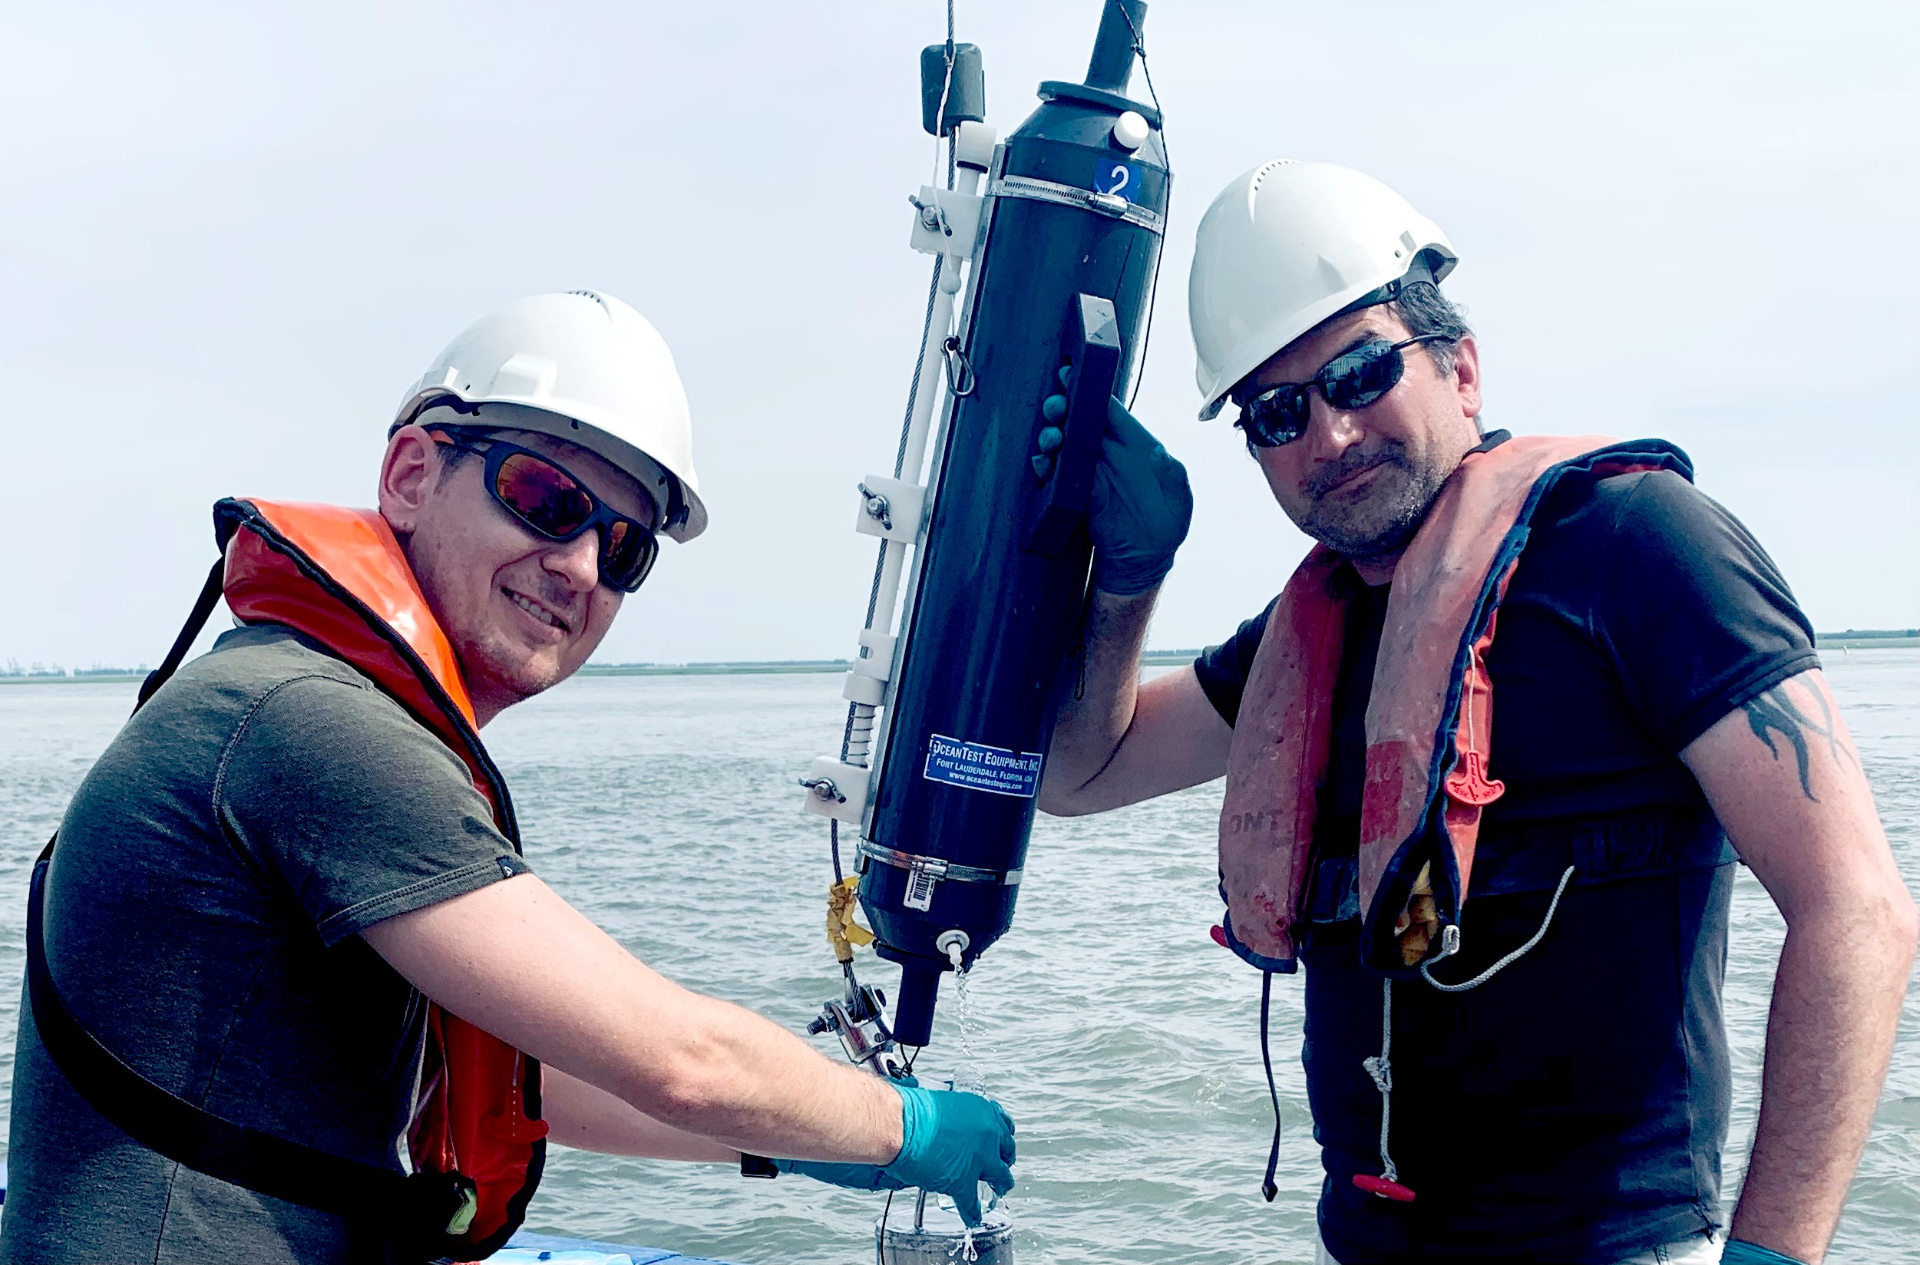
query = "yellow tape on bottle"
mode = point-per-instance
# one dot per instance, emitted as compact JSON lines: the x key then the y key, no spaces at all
{"x":843,"y":932}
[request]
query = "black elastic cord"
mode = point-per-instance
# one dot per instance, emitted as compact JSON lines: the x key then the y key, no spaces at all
{"x":1267,"y":1187}
{"x":202,"y":607}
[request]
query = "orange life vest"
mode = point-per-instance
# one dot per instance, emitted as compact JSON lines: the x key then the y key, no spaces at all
{"x":1429,"y":721}
{"x":338,"y":576}
{"x":476,"y":1140}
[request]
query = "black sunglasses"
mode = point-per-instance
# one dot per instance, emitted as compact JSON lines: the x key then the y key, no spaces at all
{"x":1351,"y":380}
{"x":552,"y":503}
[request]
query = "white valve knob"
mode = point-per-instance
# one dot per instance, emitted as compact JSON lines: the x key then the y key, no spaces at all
{"x":1130,"y":130}
{"x":954,"y":943}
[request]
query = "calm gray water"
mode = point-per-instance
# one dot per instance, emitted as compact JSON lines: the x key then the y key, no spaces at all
{"x":1121,"y":1039}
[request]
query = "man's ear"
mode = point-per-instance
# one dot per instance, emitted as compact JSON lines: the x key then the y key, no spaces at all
{"x":1466,"y":375}
{"x":408,"y":474}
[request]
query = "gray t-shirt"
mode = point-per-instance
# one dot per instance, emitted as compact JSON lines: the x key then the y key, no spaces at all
{"x":204,"y":906}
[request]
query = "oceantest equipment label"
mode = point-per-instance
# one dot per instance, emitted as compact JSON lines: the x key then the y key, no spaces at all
{"x":979,"y":767}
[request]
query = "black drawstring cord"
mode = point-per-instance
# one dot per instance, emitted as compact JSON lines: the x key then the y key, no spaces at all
{"x":1267,"y":1187}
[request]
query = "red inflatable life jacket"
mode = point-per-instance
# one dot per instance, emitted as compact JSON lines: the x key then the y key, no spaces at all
{"x":1429,"y":721}
{"x":338,"y":576}
{"x":476,"y":1140}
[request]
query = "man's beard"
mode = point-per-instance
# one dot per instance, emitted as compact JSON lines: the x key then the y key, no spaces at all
{"x":1384,"y":518}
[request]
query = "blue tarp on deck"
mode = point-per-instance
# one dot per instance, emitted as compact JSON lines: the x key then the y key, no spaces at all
{"x":526,"y":1249}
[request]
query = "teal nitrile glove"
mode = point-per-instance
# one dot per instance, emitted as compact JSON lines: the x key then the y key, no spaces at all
{"x":852,"y":1176}
{"x":951,"y":1141}
{"x":1140,"y":510}
{"x":1741,"y":1252}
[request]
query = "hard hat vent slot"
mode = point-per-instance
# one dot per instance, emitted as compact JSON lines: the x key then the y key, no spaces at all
{"x":1262,"y":174}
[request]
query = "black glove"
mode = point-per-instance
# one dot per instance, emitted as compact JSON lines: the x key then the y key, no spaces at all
{"x":1141,"y":508}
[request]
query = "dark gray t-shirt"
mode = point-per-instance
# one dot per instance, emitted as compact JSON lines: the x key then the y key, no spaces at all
{"x":203,"y":910}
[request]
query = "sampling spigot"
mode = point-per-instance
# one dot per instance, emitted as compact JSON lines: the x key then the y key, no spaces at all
{"x":954,"y":943}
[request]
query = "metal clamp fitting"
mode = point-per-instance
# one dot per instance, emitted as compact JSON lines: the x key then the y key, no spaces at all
{"x":960,"y":379}
{"x":1108,"y":204}
{"x":936,"y":866}
{"x":878,"y":507}
{"x":823,"y":789}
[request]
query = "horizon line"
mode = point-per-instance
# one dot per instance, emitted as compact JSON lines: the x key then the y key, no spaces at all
{"x":12,"y":670}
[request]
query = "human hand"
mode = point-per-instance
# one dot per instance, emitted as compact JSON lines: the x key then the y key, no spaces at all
{"x":1419,"y":923}
{"x":952,"y":1141}
{"x":1140,"y":510}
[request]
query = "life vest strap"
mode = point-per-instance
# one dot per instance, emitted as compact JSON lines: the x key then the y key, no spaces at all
{"x":416,"y":1212}
{"x":196,"y":620}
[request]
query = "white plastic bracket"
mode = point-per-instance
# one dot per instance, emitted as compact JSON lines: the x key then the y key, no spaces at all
{"x":862,"y":688}
{"x":946,"y":222}
{"x":891,"y":509}
{"x":867,"y":681}
{"x":973,"y":147}
{"x":837,"y":790}
{"x":879,"y":648}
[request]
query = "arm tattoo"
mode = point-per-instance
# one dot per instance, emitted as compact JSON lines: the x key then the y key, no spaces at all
{"x":1773,"y":710}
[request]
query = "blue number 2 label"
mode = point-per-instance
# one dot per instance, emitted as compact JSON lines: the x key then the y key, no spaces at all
{"x":1118,"y":179}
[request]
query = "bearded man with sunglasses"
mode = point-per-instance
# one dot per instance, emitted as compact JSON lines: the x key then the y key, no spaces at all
{"x":1490,"y":758}
{"x":296,"y":867}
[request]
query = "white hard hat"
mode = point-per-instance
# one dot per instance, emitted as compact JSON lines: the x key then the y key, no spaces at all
{"x":1286,"y":246}
{"x":589,"y":370}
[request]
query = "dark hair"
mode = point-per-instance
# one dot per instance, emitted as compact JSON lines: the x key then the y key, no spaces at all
{"x":451,"y":459}
{"x":1424,"y":310}
{"x":453,"y":456}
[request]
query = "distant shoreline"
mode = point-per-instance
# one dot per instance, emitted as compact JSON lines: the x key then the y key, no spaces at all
{"x":749,"y":667}
{"x":1868,"y":639}
{"x":1867,"y":642}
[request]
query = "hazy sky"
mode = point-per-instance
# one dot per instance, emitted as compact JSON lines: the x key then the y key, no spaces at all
{"x":230,"y":235}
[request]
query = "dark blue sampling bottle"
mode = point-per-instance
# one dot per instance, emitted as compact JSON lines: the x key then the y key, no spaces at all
{"x":1076,"y":207}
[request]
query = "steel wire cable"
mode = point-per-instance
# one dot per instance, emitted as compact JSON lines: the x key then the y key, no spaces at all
{"x":1166,"y":213}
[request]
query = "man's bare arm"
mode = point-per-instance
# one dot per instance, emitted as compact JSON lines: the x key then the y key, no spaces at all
{"x":519,"y":962}
{"x":1119,"y":741}
{"x":590,"y":1119}
{"x":1785,"y":781}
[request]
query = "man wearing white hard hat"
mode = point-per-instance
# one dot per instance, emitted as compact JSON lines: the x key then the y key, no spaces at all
{"x":294,"y":994}
{"x":1490,"y":758}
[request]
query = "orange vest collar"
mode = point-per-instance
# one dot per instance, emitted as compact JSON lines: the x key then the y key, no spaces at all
{"x":358,"y":552}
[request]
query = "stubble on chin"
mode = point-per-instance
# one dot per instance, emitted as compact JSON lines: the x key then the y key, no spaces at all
{"x":1382,"y":522}
{"x":505,"y":673}
{"x":532,"y":676}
